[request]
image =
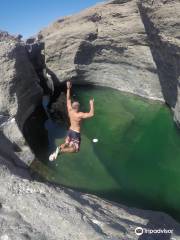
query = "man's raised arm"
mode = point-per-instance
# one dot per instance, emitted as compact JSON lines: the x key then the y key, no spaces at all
{"x":91,"y":111}
{"x":68,"y":95}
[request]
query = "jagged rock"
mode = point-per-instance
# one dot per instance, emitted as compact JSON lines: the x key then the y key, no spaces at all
{"x":36,"y":53}
{"x":162,"y":23}
{"x":19,"y":96}
{"x":104,"y":45}
{"x":19,"y":82}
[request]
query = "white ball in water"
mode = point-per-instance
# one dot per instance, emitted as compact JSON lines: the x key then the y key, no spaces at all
{"x":95,"y":140}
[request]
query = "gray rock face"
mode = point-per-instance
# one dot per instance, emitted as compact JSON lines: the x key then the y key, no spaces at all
{"x":125,"y":44}
{"x":19,"y":95}
{"x":38,"y":211}
{"x":162,"y":23}
{"x":19,"y":82}
{"x":104,"y":45}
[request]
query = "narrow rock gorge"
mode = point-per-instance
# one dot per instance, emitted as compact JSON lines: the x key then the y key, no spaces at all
{"x":130,"y":45}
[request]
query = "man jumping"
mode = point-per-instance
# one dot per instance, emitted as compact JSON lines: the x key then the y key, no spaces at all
{"x":73,"y":139}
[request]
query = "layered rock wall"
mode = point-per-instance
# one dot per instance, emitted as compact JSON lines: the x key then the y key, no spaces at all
{"x":129,"y":45}
{"x":162,"y":23}
{"x":104,"y":45}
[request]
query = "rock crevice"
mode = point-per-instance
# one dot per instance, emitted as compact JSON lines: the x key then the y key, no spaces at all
{"x":164,"y":43}
{"x":20,"y":93}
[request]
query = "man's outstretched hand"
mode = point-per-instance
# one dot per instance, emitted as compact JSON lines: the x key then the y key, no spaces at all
{"x":91,"y":101}
{"x":69,"y":84}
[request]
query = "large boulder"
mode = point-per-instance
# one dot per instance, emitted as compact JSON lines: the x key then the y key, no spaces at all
{"x":104,"y":45}
{"x":19,"y":95}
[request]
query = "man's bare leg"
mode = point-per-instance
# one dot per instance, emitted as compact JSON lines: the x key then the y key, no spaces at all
{"x":68,"y":150}
{"x":65,"y":148}
{"x":64,"y":145}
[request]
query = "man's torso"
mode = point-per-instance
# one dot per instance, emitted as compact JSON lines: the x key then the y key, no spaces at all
{"x":75,"y":121}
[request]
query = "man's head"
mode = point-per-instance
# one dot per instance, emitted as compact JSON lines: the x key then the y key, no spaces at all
{"x":75,"y":106}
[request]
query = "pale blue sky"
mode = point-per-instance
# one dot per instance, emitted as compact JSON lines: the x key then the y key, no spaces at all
{"x":27,"y":17}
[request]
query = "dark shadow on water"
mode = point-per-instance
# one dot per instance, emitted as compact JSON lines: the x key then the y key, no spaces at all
{"x":58,"y":132}
{"x":35,"y":133}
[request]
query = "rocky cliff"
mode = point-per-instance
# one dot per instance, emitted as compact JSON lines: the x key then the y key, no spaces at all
{"x":161,"y":20}
{"x":19,"y":95}
{"x":128,"y":45}
{"x":123,"y":44}
{"x":105,"y":45}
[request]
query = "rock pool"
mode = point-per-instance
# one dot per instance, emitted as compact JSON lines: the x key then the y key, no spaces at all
{"x":136,"y":160}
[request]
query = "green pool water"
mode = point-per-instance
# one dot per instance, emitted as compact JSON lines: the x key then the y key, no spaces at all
{"x":137,"y":158}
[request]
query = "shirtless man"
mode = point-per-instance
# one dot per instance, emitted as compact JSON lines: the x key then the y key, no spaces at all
{"x":73,"y":139}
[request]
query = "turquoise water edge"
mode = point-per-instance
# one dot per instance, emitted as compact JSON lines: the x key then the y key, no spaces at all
{"x":137,"y":158}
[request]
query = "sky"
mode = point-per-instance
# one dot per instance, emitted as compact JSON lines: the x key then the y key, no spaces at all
{"x":28,"y":17}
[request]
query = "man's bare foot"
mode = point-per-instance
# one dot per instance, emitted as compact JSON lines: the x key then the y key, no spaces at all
{"x":54,"y":155}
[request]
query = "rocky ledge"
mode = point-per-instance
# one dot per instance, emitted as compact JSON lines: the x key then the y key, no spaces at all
{"x":128,"y":45}
{"x":39,"y":211}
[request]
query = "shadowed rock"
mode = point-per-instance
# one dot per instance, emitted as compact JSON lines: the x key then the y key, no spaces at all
{"x":162,"y":23}
{"x":19,"y":94}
